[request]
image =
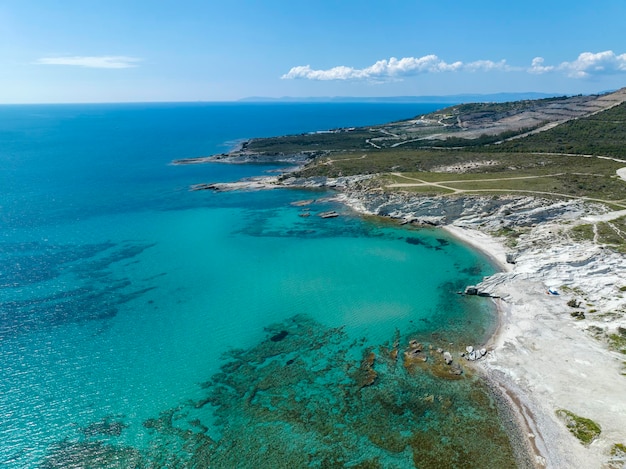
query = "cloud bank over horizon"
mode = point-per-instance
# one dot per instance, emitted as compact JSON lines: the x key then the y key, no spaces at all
{"x":91,"y":61}
{"x":586,"y":65}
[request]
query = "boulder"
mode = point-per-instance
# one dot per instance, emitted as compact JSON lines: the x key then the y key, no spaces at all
{"x":456,"y":369}
{"x":415,"y":345}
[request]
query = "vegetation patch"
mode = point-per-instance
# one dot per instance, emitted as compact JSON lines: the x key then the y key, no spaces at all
{"x":611,"y":234}
{"x":607,"y":234}
{"x":426,"y":190}
{"x":600,"y":134}
{"x":617,"y":341}
{"x":586,"y":430}
{"x":618,"y":456}
{"x":618,"y":449}
{"x":576,"y":290}
{"x":582,"y":233}
{"x":556,"y":163}
{"x":610,"y":316}
{"x":512,"y":234}
{"x":596,"y":332}
{"x":491,"y":109}
{"x":573,"y":303}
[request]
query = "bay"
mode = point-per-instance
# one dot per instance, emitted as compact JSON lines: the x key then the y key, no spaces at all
{"x":121,"y":291}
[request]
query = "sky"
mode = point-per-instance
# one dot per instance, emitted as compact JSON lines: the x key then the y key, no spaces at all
{"x":67,"y":51}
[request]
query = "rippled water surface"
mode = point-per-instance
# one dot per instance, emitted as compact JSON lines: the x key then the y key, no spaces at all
{"x":142,"y":324}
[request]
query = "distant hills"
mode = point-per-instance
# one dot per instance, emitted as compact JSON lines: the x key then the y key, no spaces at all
{"x":453,"y":99}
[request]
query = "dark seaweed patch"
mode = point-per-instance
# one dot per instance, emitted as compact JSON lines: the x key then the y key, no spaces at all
{"x":97,"y":297}
{"x":30,"y":263}
{"x":415,"y":241}
{"x":443,"y":242}
{"x":278,"y":337}
{"x":320,"y":412}
{"x":105,"y":427}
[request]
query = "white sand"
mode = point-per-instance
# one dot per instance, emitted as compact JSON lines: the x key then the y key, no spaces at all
{"x":488,"y":245}
{"x":543,"y":358}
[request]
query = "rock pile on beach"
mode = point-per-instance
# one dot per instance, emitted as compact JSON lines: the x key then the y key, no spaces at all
{"x":472,"y":354}
{"x":455,"y":368}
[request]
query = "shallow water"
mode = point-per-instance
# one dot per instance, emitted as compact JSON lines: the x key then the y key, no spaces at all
{"x":121,"y":291}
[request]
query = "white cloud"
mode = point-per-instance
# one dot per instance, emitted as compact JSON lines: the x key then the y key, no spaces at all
{"x":538,"y":67}
{"x":392,"y":69}
{"x":589,"y":63}
{"x":487,"y":66}
{"x":91,"y":62}
{"x":586,"y":65}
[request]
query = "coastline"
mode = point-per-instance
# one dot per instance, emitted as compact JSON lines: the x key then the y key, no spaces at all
{"x":512,"y":401}
{"x":489,"y":246}
{"x":542,"y":360}
{"x":517,"y":410}
{"x":541,"y":357}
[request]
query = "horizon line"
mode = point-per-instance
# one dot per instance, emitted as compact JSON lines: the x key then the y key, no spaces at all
{"x":294,"y":99}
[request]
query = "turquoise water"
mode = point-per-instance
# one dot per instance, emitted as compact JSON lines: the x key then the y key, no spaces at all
{"x":121,"y":291}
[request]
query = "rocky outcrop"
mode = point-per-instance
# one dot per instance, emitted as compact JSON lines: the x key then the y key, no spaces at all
{"x":472,"y":354}
{"x":488,"y":213}
{"x":249,"y":157}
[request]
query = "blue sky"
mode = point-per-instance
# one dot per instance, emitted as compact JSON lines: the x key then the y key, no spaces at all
{"x":162,"y":50}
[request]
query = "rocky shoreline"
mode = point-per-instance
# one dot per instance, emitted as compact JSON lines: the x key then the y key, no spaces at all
{"x":545,"y":355}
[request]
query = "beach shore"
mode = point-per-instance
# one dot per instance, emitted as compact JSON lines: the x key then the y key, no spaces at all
{"x":542,"y":359}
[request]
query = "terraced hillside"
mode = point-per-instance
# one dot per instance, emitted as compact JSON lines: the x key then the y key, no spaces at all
{"x":457,"y":126}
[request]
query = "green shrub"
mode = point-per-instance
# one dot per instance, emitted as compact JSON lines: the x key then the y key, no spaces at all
{"x":618,"y":449}
{"x":586,"y":430}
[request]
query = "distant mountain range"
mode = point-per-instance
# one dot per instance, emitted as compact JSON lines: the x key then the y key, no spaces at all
{"x":452,"y":99}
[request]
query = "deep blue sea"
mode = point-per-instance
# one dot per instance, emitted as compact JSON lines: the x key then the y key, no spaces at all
{"x":146,"y":325}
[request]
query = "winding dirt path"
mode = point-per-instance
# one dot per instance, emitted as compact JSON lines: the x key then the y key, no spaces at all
{"x":331,"y":161}
{"x":454,"y":190}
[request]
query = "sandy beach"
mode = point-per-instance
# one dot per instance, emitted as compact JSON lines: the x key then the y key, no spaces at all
{"x":543,"y":359}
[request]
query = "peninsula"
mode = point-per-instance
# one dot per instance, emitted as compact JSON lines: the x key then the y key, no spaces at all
{"x":539,"y":186}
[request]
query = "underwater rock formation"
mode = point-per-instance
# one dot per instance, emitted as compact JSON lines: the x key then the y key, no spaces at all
{"x":339,"y":403}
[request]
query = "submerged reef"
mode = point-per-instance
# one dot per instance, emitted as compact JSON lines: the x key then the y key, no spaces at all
{"x":312,"y":396}
{"x":96,"y":293}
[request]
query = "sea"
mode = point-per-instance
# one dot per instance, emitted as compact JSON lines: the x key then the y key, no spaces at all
{"x":143,"y":324}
